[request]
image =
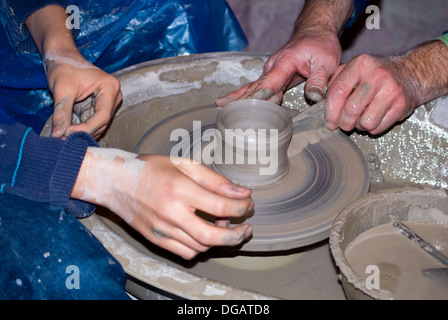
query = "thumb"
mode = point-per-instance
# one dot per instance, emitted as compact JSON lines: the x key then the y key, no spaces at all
{"x":316,"y":85}
{"x":62,"y":114}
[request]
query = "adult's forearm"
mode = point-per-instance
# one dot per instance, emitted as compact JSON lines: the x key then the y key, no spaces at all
{"x":328,"y":15}
{"x":424,"y":71}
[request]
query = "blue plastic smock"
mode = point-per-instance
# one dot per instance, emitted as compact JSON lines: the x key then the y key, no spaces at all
{"x":113,"y":34}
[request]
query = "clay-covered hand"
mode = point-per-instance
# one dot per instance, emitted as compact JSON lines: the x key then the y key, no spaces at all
{"x":78,"y":87}
{"x":159,"y":199}
{"x":373,"y":93}
{"x":310,"y":55}
{"x":82,"y":89}
{"x":313,"y":53}
{"x":367,"y":95}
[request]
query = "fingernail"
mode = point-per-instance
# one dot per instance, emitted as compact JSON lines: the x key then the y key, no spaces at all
{"x":250,"y":207}
{"x":220,"y":102}
{"x":231,"y":189}
{"x":331,"y":126}
{"x":248,"y":232}
{"x":315,"y":94}
{"x":243,"y":211}
{"x":239,"y":188}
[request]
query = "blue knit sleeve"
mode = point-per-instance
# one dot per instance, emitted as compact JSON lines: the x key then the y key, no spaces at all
{"x":43,"y":169}
{"x":13,"y":16}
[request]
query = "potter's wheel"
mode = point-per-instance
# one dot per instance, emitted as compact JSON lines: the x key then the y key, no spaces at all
{"x":327,"y":171}
{"x":156,"y":90}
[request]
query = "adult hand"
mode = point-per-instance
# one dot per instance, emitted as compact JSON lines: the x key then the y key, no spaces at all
{"x":159,"y":199}
{"x":310,"y":55}
{"x":372,"y":93}
{"x":313,"y":53}
{"x":81,"y":88}
{"x":368,"y":94}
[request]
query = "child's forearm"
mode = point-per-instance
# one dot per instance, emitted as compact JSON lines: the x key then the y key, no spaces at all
{"x":50,"y":34}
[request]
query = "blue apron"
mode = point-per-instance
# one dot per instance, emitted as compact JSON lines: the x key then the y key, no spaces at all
{"x":113,"y":34}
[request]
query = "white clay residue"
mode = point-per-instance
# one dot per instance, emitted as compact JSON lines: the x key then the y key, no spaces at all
{"x":103,"y":181}
{"x":77,"y":64}
{"x":110,"y":154}
{"x":212,"y":291}
{"x":229,"y":73}
{"x":147,"y":86}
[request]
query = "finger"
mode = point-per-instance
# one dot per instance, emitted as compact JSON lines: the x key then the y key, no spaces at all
{"x":104,"y":107}
{"x":196,"y":195}
{"x":277,"y":99}
{"x":232,"y":237}
{"x":213,"y":181}
{"x":355,"y":105}
{"x":168,"y":236}
{"x":62,"y":115}
{"x":164,"y":231}
{"x":250,"y":88}
{"x":199,"y":198}
{"x":340,"y":87}
{"x":232,"y":96}
{"x":336,"y":74}
{"x":391,"y":113}
{"x":219,"y":205}
{"x":222,"y":222}
{"x":85,"y":127}
{"x":181,"y":223}
{"x":174,"y":246}
{"x":373,"y":114}
{"x":194,"y":232}
{"x":177,"y":248}
{"x":316,"y":85}
{"x":210,"y":235}
{"x":261,"y":94}
{"x":276,"y":80}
